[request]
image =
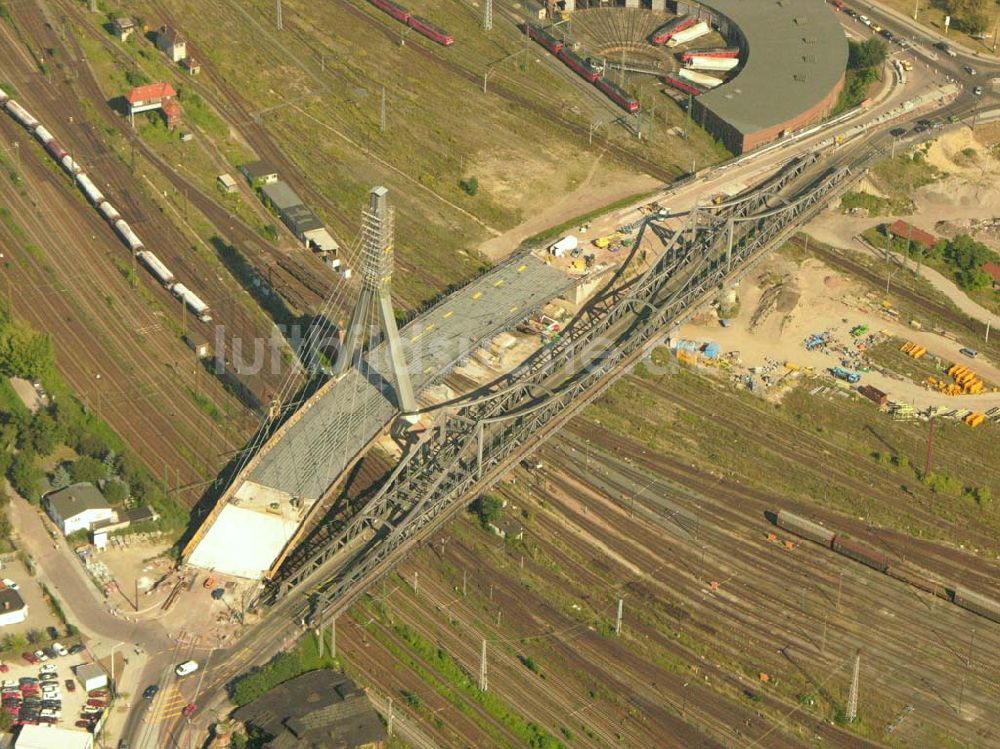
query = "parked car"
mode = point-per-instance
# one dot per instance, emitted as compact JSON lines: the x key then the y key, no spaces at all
{"x":97,"y":693}
{"x":8,"y":583}
{"x":59,"y":649}
{"x":970,"y":70}
{"x":185,"y":668}
{"x":898,"y":132}
{"x":151,"y":691}
{"x":70,"y":685}
{"x":97,"y":703}
{"x":83,"y":724}
{"x":978,"y":91}
{"x":27,"y":680}
{"x":40,"y":655}
{"x":971,"y":353}
{"x":92,"y":710}
{"x":4,"y":668}
{"x":78,"y":648}
{"x":50,"y":719}
{"x":30,"y":658}
{"x":48,"y":668}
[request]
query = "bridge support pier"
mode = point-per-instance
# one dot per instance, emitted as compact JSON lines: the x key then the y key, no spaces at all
{"x":377,"y":234}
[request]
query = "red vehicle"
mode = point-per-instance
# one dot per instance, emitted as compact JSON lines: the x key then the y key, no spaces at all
{"x":838,"y":4}
{"x":395,"y":10}
{"x":544,"y":38}
{"x":578,"y":65}
{"x":83,"y":724}
{"x":729,"y":53}
{"x":97,"y":693}
{"x":617,"y":95}
{"x":97,"y":703}
{"x":30,"y":658}
{"x":428,"y":29}
{"x":70,"y":685}
{"x":667,"y":30}
{"x":4,"y":668}
{"x":189,"y":709}
{"x":687,"y":88}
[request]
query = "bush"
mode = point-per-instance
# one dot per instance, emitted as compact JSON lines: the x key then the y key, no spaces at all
{"x":470,"y":185}
{"x":88,"y":469}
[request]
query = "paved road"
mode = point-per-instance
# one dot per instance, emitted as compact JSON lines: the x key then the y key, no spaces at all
{"x":84,"y":606}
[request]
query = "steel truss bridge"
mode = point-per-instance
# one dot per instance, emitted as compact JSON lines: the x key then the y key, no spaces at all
{"x":478,"y":437}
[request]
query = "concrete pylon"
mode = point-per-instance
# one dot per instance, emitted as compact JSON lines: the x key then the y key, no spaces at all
{"x":377,"y":244}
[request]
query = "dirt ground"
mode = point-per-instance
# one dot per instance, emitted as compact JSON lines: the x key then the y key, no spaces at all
{"x":813,"y":298}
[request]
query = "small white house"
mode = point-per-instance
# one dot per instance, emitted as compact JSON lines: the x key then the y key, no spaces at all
{"x":13,"y":609}
{"x":78,"y":508}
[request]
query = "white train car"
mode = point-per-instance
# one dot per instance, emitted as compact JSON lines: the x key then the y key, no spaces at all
{"x":689,"y":34}
{"x":42,"y":133}
{"x":712,"y":63}
{"x":130,"y":237}
{"x":109,"y":212}
{"x":21,"y":114}
{"x":193,"y":302}
{"x":156,"y":267}
{"x":701,"y":79}
{"x":70,"y":165}
{"x":89,"y":188}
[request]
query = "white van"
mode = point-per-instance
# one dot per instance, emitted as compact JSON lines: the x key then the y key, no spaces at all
{"x":187,"y":667}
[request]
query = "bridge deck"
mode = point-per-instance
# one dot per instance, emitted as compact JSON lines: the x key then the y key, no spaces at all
{"x":304,"y":459}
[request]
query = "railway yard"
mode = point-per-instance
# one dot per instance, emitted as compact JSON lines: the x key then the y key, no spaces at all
{"x":704,"y":467}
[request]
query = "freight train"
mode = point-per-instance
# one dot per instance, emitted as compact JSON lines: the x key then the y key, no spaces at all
{"x":860,"y":552}
{"x":723,"y":52}
{"x":418,"y":24}
{"x":96,"y":198}
{"x":583,"y":68}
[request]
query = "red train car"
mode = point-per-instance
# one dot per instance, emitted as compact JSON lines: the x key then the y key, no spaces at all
{"x":617,"y":95}
{"x":687,"y":88}
{"x":667,"y":30}
{"x":860,"y":552}
{"x":720,"y":52}
{"x":578,"y":65}
{"x":544,"y":38}
{"x":57,"y":151}
{"x":395,"y":10}
{"x":428,"y":29}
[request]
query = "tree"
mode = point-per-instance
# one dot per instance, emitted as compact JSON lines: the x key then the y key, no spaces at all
{"x":25,"y":475}
{"x":87,"y":469}
{"x":866,"y":55}
{"x":116,"y":491}
{"x":44,"y":433}
{"x":971,"y":16}
{"x":487,"y":508}
{"x":60,"y":478}
{"x":110,"y":465}
{"x":470,"y":185}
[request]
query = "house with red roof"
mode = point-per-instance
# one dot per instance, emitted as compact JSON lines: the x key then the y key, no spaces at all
{"x":993,"y":271}
{"x":154,"y":96}
{"x":910,"y":233}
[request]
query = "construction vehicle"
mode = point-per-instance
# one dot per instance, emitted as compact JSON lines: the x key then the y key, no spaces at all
{"x":859,"y":330}
{"x":845,"y":374}
{"x":602,"y":243}
{"x":816,"y":340}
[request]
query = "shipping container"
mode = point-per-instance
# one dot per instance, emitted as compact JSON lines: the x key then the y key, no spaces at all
{"x":702,"y":79}
{"x":874,"y":394}
{"x":156,"y":267}
{"x":130,"y":237}
{"x":687,"y":88}
{"x":21,"y":114}
{"x":43,"y":135}
{"x":977,"y":603}
{"x":860,"y":552}
{"x":689,"y":34}
{"x":428,"y":29}
{"x":724,"y":64}
{"x":617,"y":95}
{"x":712,"y":52}
{"x":109,"y":212}
{"x":89,"y":188}
{"x":544,"y":38}
{"x":805,"y":528}
{"x":667,"y":30}
{"x":395,"y":10}
{"x":578,"y":65}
